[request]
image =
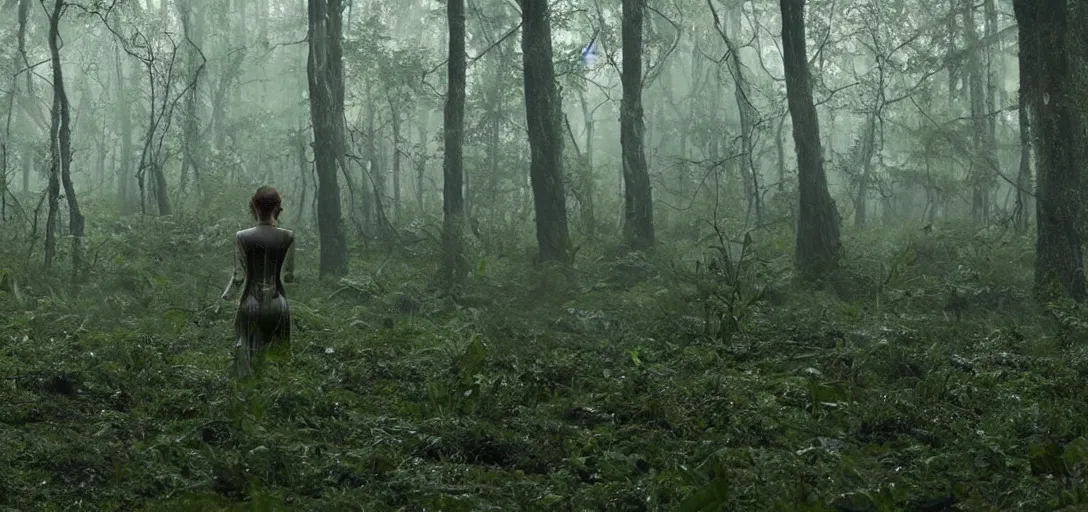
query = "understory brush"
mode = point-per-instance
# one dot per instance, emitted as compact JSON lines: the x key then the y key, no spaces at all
{"x":694,"y":378}
{"x":956,"y":268}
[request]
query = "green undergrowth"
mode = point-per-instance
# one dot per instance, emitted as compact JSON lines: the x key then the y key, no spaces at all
{"x":921,"y":378}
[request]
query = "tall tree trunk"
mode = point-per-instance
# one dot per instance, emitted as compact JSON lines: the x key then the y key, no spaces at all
{"x":4,"y":180}
{"x":60,"y":148}
{"x":27,"y":162}
{"x":747,"y":124}
{"x":53,"y":194}
{"x":866,"y":146}
{"x":230,"y":72}
{"x":151,"y":155}
{"x":325,"y":73}
{"x":589,"y":181}
{"x":102,"y":151}
{"x":53,"y":188}
{"x":5,"y":152}
{"x":191,"y":140}
{"x":453,"y":121}
{"x":396,"y":165}
{"x":780,"y":152}
{"x":304,"y":172}
{"x":494,"y":114}
{"x":28,"y":153}
{"x":992,"y":79}
{"x":240,"y":34}
{"x":421,"y":167}
{"x":746,"y":111}
{"x":818,"y":244}
{"x":124,"y":122}
{"x":24,"y":18}
{"x":162,"y":199}
{"x":981,"y":170}
{"x":544,"y":116}
{"x":377,"y":182}
{"x":1023,"y":178}
{"x":638,"y":211}
{"x":1053,"y":53}
{"x":955,"y":75}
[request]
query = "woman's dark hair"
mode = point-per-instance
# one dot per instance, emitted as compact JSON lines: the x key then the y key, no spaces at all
{"x":265,"y":203}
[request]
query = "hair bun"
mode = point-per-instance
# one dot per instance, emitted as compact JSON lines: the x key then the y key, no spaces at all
{"x":266,"y":202}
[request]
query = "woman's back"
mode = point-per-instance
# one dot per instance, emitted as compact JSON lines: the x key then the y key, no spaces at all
{"x":264,"y":249}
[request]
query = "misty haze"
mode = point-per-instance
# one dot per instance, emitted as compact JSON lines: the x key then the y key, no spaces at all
{"x":545,"y":255}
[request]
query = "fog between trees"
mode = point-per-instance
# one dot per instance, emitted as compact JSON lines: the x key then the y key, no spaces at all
{"x":753,"y":180}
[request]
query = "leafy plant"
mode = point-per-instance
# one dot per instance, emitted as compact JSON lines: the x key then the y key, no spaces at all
{"x":727,"y":288}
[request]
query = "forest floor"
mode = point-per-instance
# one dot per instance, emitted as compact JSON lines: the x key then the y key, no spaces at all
{"x":929,"y":382}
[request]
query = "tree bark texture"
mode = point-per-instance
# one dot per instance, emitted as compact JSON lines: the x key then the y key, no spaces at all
{"x":325,"y":73}
{"x":60,"y":147}
{"x":983,"y":167}
{"x":866,"y":147}
{"x":638,"y":209}
{"x":53,"y":188}
{"x":453,"y":205}
{"x":818,"y":243}
{"x":1053,"y":56}
{"x":1023,"y":177}
{"x":544,"y":116}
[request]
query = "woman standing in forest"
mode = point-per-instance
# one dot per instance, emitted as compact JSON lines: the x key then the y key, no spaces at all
{"x":263,"y":321}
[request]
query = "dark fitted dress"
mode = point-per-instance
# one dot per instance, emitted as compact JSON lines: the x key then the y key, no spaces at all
{"x":263,"y":322}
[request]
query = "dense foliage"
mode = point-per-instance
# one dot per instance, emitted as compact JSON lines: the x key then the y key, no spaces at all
{"x":597,"y":388}
{"x":785,"y":262}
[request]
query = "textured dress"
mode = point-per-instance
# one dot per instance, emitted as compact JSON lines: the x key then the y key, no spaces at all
{"x":262,"y":324}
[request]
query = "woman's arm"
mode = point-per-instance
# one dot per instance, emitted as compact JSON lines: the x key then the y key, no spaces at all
{"x":238,"y":276}
{"x":289,"y":265}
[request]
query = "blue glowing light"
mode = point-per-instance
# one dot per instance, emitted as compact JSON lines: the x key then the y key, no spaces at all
{"x":589,"y":54}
